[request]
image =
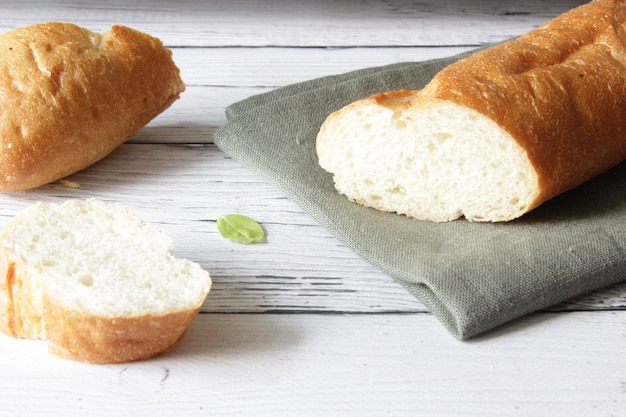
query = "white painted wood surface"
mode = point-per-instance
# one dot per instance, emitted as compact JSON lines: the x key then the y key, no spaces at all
{"x":299,"y":325}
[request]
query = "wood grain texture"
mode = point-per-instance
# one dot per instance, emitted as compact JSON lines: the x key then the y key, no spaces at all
{"x":217,"y":77}
{"x":300,"y":23}
{"x":340,"y":365}
{"x":300,"y":325}
{"x":300,"y":268}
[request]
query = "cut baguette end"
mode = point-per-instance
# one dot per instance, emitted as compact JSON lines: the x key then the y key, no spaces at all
{"x":99,"y":284}
{"x":71,"y":96}
{"x":426,"y":158}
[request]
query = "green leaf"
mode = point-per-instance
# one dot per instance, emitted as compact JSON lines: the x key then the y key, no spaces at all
{"x":240,"y":228}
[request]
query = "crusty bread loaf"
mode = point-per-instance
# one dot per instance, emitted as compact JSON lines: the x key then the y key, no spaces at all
{"x":96,"y":282}
{"x":68,"y":97}
{"x":496,"y":134}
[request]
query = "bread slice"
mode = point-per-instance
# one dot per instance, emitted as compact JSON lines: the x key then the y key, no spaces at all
{"x":96,"y":282}
{"x":69,"y":97}
{"x":494,"y":135}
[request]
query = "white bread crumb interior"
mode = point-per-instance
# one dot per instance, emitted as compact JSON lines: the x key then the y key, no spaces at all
{"x":101,"y":260}
{"x":435,"y":161}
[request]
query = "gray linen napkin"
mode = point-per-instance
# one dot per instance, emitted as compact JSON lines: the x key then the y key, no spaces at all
{"x":471,"y":276}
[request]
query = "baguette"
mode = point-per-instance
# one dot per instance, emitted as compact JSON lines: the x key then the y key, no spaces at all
{"x":494,"y":135}
{"x":94,"y":281}
{"x":69,"y":97}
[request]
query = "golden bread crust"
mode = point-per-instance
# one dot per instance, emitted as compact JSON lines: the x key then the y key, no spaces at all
{"x":88,"y":294}
{"x":27,"y":312}
{"x":20,"y":301}
{"x":68,"y":97}
{"x":92,"y":339}
{"x":559,"y":90}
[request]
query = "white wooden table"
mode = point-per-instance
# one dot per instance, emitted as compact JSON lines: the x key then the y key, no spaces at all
{"x":299,"y":325}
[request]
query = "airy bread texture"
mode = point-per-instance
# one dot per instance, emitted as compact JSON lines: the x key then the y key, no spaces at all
{"x":494,"y":135}
{"x":69,"y":97}
{"x":99,"y":284}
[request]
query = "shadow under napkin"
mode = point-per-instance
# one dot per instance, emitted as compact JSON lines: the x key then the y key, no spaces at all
{"x":472,"y":276}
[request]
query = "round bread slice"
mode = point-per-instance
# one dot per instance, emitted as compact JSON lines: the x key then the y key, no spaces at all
{"x":98,"y":283}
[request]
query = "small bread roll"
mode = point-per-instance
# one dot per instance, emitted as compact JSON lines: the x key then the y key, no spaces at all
{"x":494,"y":135}
{"x":97,"y":283}
{"x":69,"y":97}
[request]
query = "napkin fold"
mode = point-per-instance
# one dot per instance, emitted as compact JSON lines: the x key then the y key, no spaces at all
{"x":471,"y":276}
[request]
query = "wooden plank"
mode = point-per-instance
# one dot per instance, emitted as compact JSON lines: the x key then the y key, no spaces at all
{"x":340,"y":365}
{"x":300,"y":268}
{"x":196,"y":116}
{"x":276,"y":67}
{"x":299,"y":23}
{"x":218,"y":77}
{"x":346,"y":352}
